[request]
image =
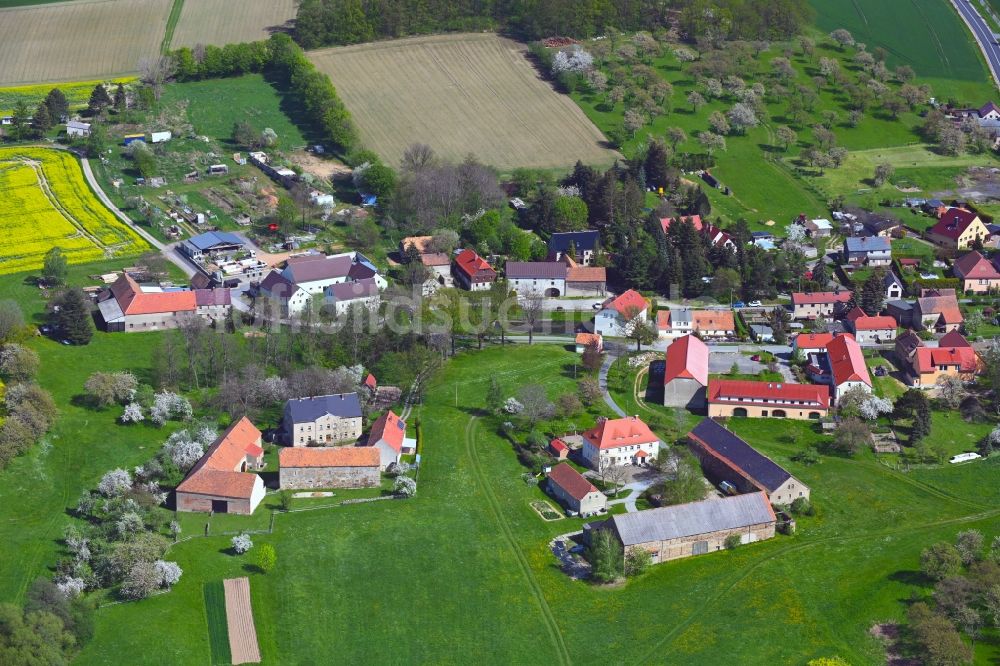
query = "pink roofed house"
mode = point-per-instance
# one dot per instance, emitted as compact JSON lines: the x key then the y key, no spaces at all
{"x":616,"y":313}
{"x":388,"y":435}
{"x":977,"y":274}
{"x":686,"y":373}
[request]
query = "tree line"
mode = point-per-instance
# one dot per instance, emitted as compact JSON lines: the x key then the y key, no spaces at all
{"x":328,"y":22}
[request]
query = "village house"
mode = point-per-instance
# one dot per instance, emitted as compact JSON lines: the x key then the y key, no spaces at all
{"x":977,"y":274}
{"x":867,"y":251}
{"x":472,"y":271}
{"x":341,"y":297}
{"x":618,"y":312}
{"x":323,"y":419}
{"x":726,"y":457}
{"x":328,"y":467}
{"x":283,"y":293}
{"x":707,"y":323}
{"x":716,"y":237}
{"x":986,"y":116}
{"x":893,"y":287}
{"x":697,"y":528}
{"x":871,"y":330}
{"x":584,"y":340}
{"x":761,"y":333}
{"x":554,"y":279}
{"x":818,"y":228}
{"x":924,"y":366}
{"x":957,"y":229}
{"x":221,"y":481}
{"x":578,"y":495}
{"x":818,"y":304}
{"x":388,"y":436}
{"x":624,"y":441}
{"x":809,"y":343}
{"x":584,"y":243}
{"x":307,"y":276}
{"x":901,"y":311}
{"x":779,"y":400}
{"x":558,"y":449}
{"x":937,"y":313}
{"x":128,"y":307}
{"x":847,"y":366}
{"x":686,"y":373}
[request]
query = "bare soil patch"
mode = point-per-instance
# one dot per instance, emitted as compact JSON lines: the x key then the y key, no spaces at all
{"x":324,"y":168}
{"x":239,"y":619}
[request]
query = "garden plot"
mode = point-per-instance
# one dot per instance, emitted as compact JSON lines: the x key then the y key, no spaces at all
{"x":239,"y":622}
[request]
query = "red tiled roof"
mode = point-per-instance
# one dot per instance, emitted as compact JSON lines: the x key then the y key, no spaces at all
{"x":435,"y":259}
{"x":799,"y":298}
{"x":909,"y":261}
{"x":614,"y":433}
{"x":816,"y":340}
{"x":665,"y":222}
{"x":974,"y":266}
{"x":928,"y":359}
{"x":336,"y":456}
{"x":953,"y":222}
{"x":946,"y":306}
{"x":586,"y":273}
{"x":370,"y":381}
{"x":877,"y":323}
{"x":687,"y":358}
{"x":389,"y":429}
{"x":714,"y":320}
{"x":589,"y":338}
{"x":133,"y":301}
{"x":570,"y":480}
{"x":217,"y":473}
{"x":471,"y":264}
{"x":847,"y":363}
{"x":856,"y":313}
{"x":558,"y":445}
{"x":626,"y":302}
{"x":790,"y":395}
{"x":641,"y":454}
{"x":663,"y":319}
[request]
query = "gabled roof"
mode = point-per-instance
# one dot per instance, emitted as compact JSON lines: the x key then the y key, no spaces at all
{"x":847,"y":362}
{"x":305,"y":410}
{"x":891,"y":279}
{"x":868,"y":244}
{"x":335,"y":456}
{"x":987,"y":108}
{"x":210,"y":297}
{"x":538,"y":270}
{"x":586,"y":274}
{"x":216,"y":473}
{"x":278,"y":285}
{"x":816,"y":340}
{"x":946,"y":306}
{"x":584,"y":240}
{"x":929,"y":359}
{"x":316,"y":267}
{"x":878,"y":323}
{"x":724,"y":444}
{"x":908,"y":342}
{"x":665,"y":222}
{"x":558,"y":446}
{"x":133,"y":301}
{"x":349,"y":291}
{"x":953,"y":222}
{"x":714,"y":320}
{"x":370,"y":381}
{"x":615,"y":433}
{"x":470,"y":263}
{"x":389,"y":429}
{"x":688,"y":520}
{"x":974,"y":266}
{"x":589,"y":338}
{"x":799,"y":298}
{"x":626,"y":302}
{"x":735,"y":391}
{"x":953,"y":339}
{"x":571,"y":481}
{"x":435,"y":259}
{"x":687,"y":358}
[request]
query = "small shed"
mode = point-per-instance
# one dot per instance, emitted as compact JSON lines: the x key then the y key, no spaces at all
{"x":77,"y":128}
{"x":160,"y":137}
{"x":132,"y":138}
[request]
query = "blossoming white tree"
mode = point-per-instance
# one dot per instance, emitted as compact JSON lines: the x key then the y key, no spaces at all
{"x":115,"y":483}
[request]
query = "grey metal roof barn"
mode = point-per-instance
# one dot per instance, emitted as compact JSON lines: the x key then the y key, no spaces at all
{"x":687,"y":520}
{"x":536,"y":270}
{"x":343,"y":405}
{"x":754,"y":464}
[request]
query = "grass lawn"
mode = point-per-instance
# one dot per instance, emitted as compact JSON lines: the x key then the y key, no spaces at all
{"x":468,"y":559}
{"x":218,"y":630}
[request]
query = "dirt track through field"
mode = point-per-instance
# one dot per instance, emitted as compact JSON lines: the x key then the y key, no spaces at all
{"x":460,"y":94}
{"x":239,"y":619}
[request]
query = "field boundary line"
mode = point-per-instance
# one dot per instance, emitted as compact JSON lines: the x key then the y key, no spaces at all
{"x":508,"y":533}
{"x":43,"y":185}
{"x":173,"y":18}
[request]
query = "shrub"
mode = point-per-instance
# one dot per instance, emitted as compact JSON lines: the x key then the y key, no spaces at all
{"x":404,"y":486}
{"x":142,"y":580}
{"x":940,"y":561}
{"x":169,"y":572}
{"x":802,"y":506}
{"x":808,"y":456}
{"x":637,"y":560}
{"x":285,"y":496}
{"x":266,"y":558}
{"x":605,"y":557}
{"x":241,"y":543}
{"x":732,"y":542}
{"x":115,"y":483}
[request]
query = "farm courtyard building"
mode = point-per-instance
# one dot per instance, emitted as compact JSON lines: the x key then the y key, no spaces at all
{"x":686,"y":373}
{"x":323,"y":418}
{"x":575,"y":492}
{"x":221,"y":481}
{"x":328,"y":467}
{"x":726,"y":457}
{"x":673,"y":532}
{"x":621,"y":441}
{"x":128,"y":307}
{"x":818,"y":304}
{"x":733,"y":397}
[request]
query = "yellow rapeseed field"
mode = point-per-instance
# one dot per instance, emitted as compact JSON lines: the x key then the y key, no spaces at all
{"x":48,"y":203}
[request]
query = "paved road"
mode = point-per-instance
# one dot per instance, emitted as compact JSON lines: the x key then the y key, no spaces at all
{"x":983,"y":34}
{"x":602,"y":380}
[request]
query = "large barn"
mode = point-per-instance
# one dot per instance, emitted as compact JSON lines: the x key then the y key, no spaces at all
{"x":328,"y":467}
{"x":673,"y":532}
{"x":221,"y":482}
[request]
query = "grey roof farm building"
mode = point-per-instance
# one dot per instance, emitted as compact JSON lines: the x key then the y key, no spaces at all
{"x":672,"y":532}
{"x":212,"y":243}
{"x":726,"y":457}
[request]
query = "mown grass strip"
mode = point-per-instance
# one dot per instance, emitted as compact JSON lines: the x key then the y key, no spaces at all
{"x":172,"y":19}
{"x":218,"y":631}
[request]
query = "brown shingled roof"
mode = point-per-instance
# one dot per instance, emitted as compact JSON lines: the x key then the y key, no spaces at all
{"x":337,"y":456}
{"x":570,"y":480}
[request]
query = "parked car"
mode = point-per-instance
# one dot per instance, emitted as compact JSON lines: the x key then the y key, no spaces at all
{"x":739,"y":304}
{"x":755,"y":357}
{"x":755,"y":304}
{"x":727,"y":488}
